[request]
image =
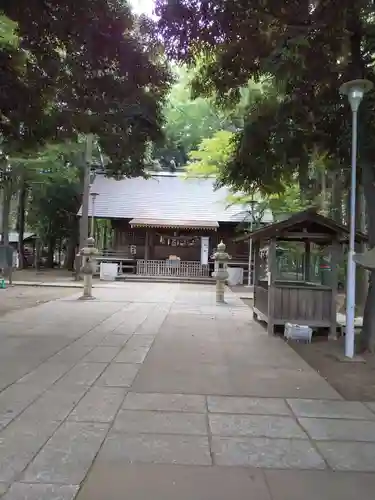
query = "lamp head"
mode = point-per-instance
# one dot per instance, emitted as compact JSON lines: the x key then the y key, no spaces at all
{"x":355,"y":90}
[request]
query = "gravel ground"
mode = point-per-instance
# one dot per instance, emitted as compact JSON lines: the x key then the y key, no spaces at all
{"x":22,"y":297}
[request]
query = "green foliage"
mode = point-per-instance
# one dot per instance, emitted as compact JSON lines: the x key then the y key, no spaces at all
{"x":212,"y":155}
{"x":53,"y":207}
{"x":187,"y":122}
{"x":90,"y":67}
{"x":306,"y":51}
{"x":288,"y":201}
{"x":308,"y":48}
{"x":8,"y":34}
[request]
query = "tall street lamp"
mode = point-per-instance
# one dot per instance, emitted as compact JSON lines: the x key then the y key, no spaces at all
{"x":354,"y":90}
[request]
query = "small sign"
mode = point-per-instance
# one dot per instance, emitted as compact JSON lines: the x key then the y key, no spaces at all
{"x":205,"y":243}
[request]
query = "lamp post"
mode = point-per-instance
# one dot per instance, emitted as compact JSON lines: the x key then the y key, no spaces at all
{"x":354,"y":90}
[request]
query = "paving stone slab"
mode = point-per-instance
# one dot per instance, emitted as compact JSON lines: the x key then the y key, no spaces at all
{"x":22,"y":491}
{"x":270,"y":381}
{"x":68,"y":455}
{"x":55,"y":404}
{"x":115,"y":340}
{"x":46,"y":374}
{"x":271,"y":426}
{"x":101,"y":354}
{"x":165,"y":402}
{"x":191,"y":379}
{"x":172,"y":482}
{"x":330,"y":409}
{"x":100,"y":404}
{"x":320,"y":485}
{"x":348,"y":456}
{"x":19,"y":443}
{"x":3,"y":488}
{"x":339,"y":429}
{"x":140,"y":341}
{"x":83,"y":374}
{"x":73,"y":353}
{"x":371,"y":405}
{"x":132,"y":354}
{"x":161,"y":448}
{"x":156,"y":422}
{"x":252,"y":406}
{"x":119,"y":375}
{"x":266,"y":453}
{"x":91,"y":339}
{"x":15,"y":399}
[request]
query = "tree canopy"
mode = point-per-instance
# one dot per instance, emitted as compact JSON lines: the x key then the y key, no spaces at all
{"x":187,"y":121}
{"x":82,"y":67}
{"x":306,"y":49}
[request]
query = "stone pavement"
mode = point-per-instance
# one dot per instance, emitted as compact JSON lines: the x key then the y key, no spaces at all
{"x":154,"y":392}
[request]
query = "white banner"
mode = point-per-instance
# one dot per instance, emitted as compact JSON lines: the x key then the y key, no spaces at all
{"x":205,"y":244}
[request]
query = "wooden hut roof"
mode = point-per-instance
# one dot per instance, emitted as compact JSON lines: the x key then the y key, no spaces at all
{"x":305,"y":225}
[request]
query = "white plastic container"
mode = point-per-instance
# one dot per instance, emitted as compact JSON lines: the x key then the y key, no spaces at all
{"x":296,"y":332}
{"x":108,"y":271}
{"x":235,"y":276}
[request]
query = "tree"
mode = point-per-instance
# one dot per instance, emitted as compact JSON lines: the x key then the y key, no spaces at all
{"x":212,"y":155}
{"x":52,"y":183}
{"x":308,"y":49}
{"x":187,"y":122}
{"x":87,"y":69}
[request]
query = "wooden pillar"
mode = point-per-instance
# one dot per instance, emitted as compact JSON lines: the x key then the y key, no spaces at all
{"x":147,"y":246}
{"x":105,"y":239}
{"x":271,"y":288}
{"x":307,"y":261}
{"x":335,"y":255}
{"x":256,"y":246}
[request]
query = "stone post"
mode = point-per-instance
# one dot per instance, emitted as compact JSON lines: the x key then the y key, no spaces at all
{"x":220,"y":274}
{"x":88,"y":255}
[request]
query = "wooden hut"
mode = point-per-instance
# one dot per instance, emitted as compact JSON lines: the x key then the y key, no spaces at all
{"x":305,"y":292}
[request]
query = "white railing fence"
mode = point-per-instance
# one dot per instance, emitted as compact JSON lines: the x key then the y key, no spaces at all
{"x":172,"y":268}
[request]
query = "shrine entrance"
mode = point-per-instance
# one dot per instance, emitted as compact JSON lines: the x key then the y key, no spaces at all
{"x":176,"y":249}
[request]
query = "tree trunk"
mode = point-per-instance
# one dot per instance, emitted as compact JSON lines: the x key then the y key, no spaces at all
{"x":324,"y":204}
{"x":367,"y":338}
{"x":71,"y":255}
{"x":336,"y":198}
{"x":72,"y":245}
{"x":304,"y":182}
{"x":37,"y":255}
{"x":7,"y":196}
{"x":51,"y":251}
{"x":21,"y":224}
{"x":361,"y":282}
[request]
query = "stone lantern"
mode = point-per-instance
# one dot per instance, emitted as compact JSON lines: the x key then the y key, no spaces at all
{"x":221,"y":258}
{"x":88,"y":255}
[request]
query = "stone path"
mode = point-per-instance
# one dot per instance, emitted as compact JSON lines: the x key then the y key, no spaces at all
{"x":154,"y":391}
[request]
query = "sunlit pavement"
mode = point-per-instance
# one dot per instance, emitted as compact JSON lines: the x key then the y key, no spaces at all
{"x":154,"y":391}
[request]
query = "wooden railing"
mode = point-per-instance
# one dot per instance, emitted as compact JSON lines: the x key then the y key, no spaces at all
{"x":125,"y":262}
{"x":172,"y":268}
